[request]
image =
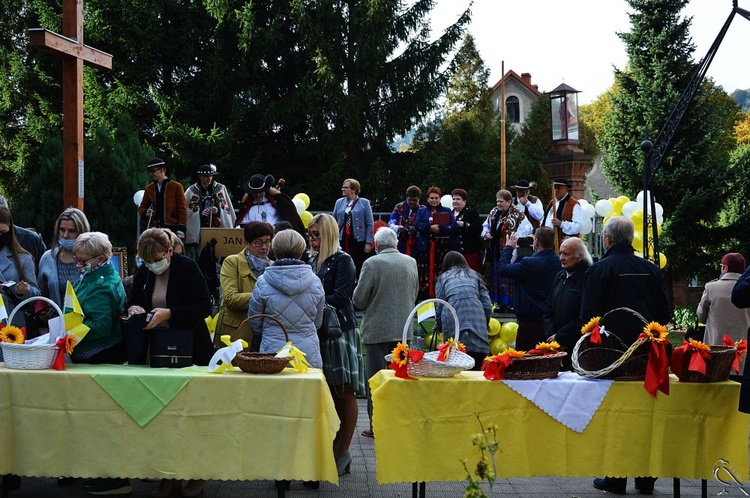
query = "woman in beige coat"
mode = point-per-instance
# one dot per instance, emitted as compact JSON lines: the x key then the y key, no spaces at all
{"x":716,"y":309}
{"x":239,"y":272}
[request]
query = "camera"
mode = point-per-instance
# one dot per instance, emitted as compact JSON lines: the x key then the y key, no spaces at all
{"x":525,"y":241}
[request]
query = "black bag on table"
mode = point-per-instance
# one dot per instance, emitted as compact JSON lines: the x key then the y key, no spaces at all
{"x":170,"y":347}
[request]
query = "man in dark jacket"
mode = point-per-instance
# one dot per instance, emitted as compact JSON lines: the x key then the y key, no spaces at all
{"x":532,"y":277}
{"x":741,"y":299}
{"x":622,"y":279}
{"x":561,"y":319}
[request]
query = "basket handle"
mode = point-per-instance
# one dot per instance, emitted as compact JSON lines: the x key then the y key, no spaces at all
{"x":261,"y":315}
{"x":419,"y":305}
{"x":31,"y":300}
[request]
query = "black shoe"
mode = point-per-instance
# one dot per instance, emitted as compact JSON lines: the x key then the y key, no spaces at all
{"x":614,"y":485}
{"x":283,"y":485}
{"x":108,"y":486}
{"x":645,"y":485}
{"x":66,"y":481}
{"x":11,"y":482}
{"x":311,"y":484}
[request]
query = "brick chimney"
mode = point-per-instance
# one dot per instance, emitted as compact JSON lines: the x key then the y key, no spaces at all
{"x":526,"y":78}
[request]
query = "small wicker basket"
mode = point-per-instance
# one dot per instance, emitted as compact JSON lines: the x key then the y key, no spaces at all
{"x":718,"y":366}
{"x":262,"y":363}
{"x":535,"y":367}
{"x":429,"y":365}
{"x":33,"y":356}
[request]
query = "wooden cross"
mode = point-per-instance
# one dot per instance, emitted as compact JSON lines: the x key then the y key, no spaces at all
{"x":70,"y":46}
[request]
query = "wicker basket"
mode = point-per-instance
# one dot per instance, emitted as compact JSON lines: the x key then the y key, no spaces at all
{"x":535,"y":367}
{"x":32,"y":356}
{"x":429,"y":365}
{"x":613,"y":359}
{"x":262,"y":363}
{"x":718,"y":367}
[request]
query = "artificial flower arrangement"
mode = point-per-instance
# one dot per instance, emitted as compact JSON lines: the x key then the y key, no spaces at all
{"x":402,"y":355}
{"x":495,"y":366}
{"x":595,"y":329}
{"x":12,"y":334}
{"x":657,"y":366}
{"x":545,"y":363}
{"x":702,"y":353}
{"x":64,"y":344}
{"x":400,"y":358}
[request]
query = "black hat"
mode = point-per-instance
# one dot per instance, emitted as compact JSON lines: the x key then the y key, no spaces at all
{"x":206,"y":169}
{"x":156,"y":163}
{"x":561,"y":181}
{"x":258,"y":183}
{"x":524,"y":185}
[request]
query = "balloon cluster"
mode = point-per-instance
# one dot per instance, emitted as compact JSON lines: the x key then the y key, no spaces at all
{"x":588,"y":212}
{"x":632,"y":210}
{"x":301,"y":203}
{"x":501,"y":336}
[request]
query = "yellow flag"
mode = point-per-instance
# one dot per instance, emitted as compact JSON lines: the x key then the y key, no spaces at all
{"x":425,"y":312}
{"x":3,"y":311}
{"x":73,"y":314}
{"x":211,"y":322}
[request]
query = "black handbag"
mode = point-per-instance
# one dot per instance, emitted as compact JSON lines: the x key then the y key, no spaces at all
{"x":331,"y":328}
{"x":171,"y":347}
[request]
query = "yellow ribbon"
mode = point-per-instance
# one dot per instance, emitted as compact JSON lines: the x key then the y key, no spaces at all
{"x":296,"y":357}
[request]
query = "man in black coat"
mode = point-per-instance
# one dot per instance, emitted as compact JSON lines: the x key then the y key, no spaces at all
{"x":741,"y":299}
{"x":562,"y":318}
{"x":622,"y":279}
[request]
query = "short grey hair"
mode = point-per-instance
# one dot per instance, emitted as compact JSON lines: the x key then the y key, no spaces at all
{"x":288,"y":244}
{"x":94,"y":244}
{"x":385,"y":238}
{"x":620,"y":229}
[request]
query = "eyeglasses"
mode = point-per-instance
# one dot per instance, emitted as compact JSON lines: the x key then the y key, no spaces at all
{"x":313,"y":235}
{"x":261,"y":243}
{"x":83,"y":262}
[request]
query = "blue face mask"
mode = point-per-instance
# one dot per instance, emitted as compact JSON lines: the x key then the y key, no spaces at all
{"x":66,"y":244}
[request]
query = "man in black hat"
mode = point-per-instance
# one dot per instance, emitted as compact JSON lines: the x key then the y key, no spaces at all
{"x":528,"y":204}
{"x":264,"y":202}
{"x":563,"y":213}
{"x":208,"y":205}
{"x":163,"y":204}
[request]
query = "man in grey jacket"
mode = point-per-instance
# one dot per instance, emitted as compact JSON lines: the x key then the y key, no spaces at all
{"x":387,"y":291}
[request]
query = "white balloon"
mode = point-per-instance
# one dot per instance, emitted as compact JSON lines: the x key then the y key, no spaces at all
{"x":604,"y":208}
{"x":299,"y":205}
{"x":660,"y":219}
{"x":138,"y":197}
{"x":583,"y":202}
{"x":629,"y":208}
{"x":587,"y":226}
{"x":639,"y":198}
{"x":659,"y":210}
{"x":447,"y":201}
{"x":588,"y":211}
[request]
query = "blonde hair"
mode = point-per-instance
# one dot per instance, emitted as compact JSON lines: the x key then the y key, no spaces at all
{"x":288,"y":244}
{"x":94,"y":244}
{"x":153,"y":242}
{"x":79,"y":221}
{"x":329,"y":235}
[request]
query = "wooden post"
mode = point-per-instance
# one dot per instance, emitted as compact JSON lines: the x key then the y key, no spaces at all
{"x":70,"y":46}
{"x":502,"y":126}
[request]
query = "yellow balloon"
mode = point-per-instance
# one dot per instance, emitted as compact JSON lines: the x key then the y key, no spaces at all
{"x":431,"y":342}
{"x":306,"y":216}
{"x":637,"y":217}
{"x":497,"y":345}
{"x":619,"y":203}
{"x":494,"y":327}
{"x":638,"y":241}
{"x":305,"y":198}
{"x":508,"y":331}
{"x":610,"y":216}
{"x":662,"y":260}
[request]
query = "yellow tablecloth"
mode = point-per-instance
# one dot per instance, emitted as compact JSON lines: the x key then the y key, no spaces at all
{"x":228,"y":426}
{"x":423,"y":431}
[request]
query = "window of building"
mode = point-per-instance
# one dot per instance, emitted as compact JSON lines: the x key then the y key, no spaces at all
{"x":512,"y":110}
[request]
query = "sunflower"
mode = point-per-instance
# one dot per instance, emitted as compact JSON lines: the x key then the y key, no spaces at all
{"x":593,"y":323}
{"x":400,"y":354}
{"x":513,"y":353}
{"x":547,"y":347}
{"x":69,"y":343}
{"x":11,"y":334}
{"x":698,"y":345}
{"x":655,"y":332}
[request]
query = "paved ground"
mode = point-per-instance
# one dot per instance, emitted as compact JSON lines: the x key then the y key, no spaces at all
{"x":362,"y":483}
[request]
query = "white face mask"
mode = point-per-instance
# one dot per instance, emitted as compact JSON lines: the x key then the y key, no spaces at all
{"x":158,"y":267}
{"x":66,"y":244}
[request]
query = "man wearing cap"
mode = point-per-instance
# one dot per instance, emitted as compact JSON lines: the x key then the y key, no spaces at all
{"x":208,"y":205}
{"x":163,"y":204}
{"x":528,"y":204}
{"x":563,"y":212}
{"x":266,"y":203}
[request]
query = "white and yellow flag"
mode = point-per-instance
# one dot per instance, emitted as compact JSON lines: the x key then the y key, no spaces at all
{"x":73,"y":314}
{"x":425,"y":312}
{"x":3,"y":311}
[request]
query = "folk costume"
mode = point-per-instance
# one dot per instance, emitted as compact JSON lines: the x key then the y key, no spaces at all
{"x":469,"y":237}
{"x":499,"y":225}
{"x":406,"y":217}
{"x":432,"y":248}
{"x":200,"y":198}
{"x":167,"y":200}
{"x":533,"y":209}
{"x":274,"y":206}
{"x":567,"y":210}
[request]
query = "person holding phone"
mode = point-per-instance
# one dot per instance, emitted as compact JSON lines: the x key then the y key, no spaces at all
{"x":436,"y":235}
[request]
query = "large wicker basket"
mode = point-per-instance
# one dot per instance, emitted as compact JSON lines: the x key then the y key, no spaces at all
{"x":33,"y":356}
{"x":613,"y":358}
{"x":535,"y":367}
{"x":262,"y":363}
{"x":429,"y":365}
{"x":718,"y":366}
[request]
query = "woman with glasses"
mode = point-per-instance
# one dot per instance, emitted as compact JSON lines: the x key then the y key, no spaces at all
{"x":354,"y":217}
{"x":239,"y":273}
{"x":342,"y":357}
{"x":102,"y":299}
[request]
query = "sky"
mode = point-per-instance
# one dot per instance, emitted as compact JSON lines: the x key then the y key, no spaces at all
{"x":576,"y":42}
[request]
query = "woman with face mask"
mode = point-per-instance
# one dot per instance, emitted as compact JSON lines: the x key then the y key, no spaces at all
{"x":57,"y":265}
{"x":17,"y":274}
{"x":102,"y":297}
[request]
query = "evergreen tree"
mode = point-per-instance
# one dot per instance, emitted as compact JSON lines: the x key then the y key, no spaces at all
{"x":692,"y":181}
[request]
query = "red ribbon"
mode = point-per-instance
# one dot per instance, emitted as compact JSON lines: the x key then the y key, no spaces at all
{"x":595,"y":337}
{"x":401,"y":370}
{"x":657,"y":370}
{"x":444,"y":349}
{"x":697,"y":360}
{"x":495,"y":369}
{"x":741,"y":350}
{"x":59,"y":363}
